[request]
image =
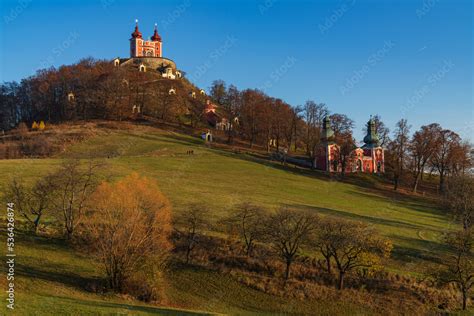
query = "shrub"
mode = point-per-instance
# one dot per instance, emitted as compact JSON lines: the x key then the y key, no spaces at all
{"x":128,"y":229}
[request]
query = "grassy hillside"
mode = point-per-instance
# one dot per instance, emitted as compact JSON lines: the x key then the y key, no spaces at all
{"x":52,"y":277}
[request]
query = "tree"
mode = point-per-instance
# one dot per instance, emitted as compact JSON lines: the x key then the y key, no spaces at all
{"x":346,"y":144}
{"x":398,"y":151}
{"x":353,"y":245}
{"x":342,"y":127}
{"x":75,"y":183}
{"x":127,"y":228}
{"x":233,"y":105}
{"x":314,"y":115}
{"x":288,"y":231}
{"x":448,"y":143}
{"x":218,"y":91}
{"x":32,"y":203}
{"x":459,"y":199}
{"x":190,"y":225}
{"x":247,"y":221}
{"x":253,"y":113}
{"x":458,"y":266}
{"x":422,"y":146}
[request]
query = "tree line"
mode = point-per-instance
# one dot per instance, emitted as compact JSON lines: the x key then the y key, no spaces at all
{"x":93,"y":89}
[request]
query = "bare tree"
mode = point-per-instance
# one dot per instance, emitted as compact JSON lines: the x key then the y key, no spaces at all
{"x":190,"y":226}
{"x":353,"y":245}
{"x":32,"y":203}
{"x":458,"y":266}
{"x":127,"y":227}
{"x":288,"y":231}
{"x":459,"y":199}
{"x":75,"y":183}
{"x":248,"y":222}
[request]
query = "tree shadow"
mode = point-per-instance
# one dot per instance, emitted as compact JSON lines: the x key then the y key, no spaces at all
{"x":353,"y":216}
{"x":423,"y":250}
{"x":130,"y":307}
{"x":53,"y":274}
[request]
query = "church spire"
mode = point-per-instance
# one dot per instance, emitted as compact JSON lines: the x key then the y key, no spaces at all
{"x":327,"y":135}
{"x":156,"y":37}
{"x":136,"y":33}
{"x":371,"y":139}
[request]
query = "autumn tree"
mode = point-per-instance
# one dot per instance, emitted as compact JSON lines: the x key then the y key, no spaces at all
{"x":457,"y":266}
{"x":458,"y":198}
{"x":288,"y":231}
{"x":422,"y":146}
{"x":247,"y":220}
{"x":313,"y":115}
{"x":190,"y":226}
{"x":342,"y":127}
{"x":254,"y":122}
{"x":352,"y":245}
{"x":294,"y":126}
{"x":448,"y":143}
{"x":233,"y":105}
{"x":218,"y":91}
{"x":127,"y":228}
{"x":398,"y":151}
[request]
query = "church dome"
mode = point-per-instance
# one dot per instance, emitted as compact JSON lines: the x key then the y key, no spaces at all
{"x":136,"y":33}
{"x":327,"y":134}
{"x":156,"y":37}
{"x":371,"y":139}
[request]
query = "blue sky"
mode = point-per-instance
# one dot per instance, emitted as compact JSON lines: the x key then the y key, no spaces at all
{"x":401,"y":58}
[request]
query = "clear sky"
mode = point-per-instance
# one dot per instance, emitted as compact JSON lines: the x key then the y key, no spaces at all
{"x":401,"y":58}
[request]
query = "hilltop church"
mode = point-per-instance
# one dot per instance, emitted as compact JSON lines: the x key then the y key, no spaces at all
{"x":147,"y":55}
{"x":369,"y":158}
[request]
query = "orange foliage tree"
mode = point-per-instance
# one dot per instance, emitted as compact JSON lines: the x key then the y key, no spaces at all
{"x":128,"y":229}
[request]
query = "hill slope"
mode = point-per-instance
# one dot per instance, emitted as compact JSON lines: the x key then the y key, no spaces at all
{"x":52,"y":277}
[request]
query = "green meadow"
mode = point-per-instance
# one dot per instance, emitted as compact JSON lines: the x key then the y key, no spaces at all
{"x":51,"y":277}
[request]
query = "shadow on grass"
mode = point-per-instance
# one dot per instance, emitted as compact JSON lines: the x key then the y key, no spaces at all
{"x":129,"y":307}
{"x":421,"y":250}
{"x":356,"y":217}
{"x":414,"y":203}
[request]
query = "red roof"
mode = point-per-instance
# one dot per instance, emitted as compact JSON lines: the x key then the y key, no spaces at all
{"x":136,"y":33}
{"x":156,"y":37}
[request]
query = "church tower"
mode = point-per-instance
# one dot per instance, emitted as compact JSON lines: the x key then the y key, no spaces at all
{"x":373,"y":150}
{"x":140,"y":47}
{"x":328,"y":151}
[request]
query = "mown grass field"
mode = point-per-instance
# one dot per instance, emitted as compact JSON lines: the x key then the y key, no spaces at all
{"x":51,"y":276}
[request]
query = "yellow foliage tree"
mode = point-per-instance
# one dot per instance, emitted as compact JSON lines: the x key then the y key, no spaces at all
{"x":128,"y":229}
{"x":41,"y":126}
{"x":34,"y":125}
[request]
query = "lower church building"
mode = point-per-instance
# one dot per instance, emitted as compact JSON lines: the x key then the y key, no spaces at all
{"x":369,"y":158}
